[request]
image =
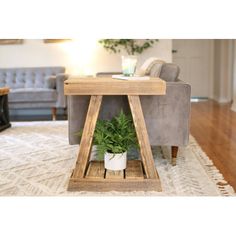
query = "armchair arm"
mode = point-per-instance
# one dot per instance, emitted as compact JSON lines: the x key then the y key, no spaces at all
{"x":60,"y":78}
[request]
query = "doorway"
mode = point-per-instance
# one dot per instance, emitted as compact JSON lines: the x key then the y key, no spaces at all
{"x":195,"y":59}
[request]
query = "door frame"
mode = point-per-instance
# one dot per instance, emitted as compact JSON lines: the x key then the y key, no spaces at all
{"x":211,"y":72}
{"x":224,"y":78}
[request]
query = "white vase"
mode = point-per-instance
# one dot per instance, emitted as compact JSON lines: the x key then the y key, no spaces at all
{"x":116,"y":161}
{"x":129,"y":65}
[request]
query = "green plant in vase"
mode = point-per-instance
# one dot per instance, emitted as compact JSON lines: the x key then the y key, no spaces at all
{"x":113,"y":139}
{"x":130,"y":47}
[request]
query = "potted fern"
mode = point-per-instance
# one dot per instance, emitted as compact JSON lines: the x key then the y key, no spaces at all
{"x":113,"y":139}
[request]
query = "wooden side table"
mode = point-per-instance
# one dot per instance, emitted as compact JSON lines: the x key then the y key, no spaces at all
{"x":91,"y":176}
{"x":4,"y":112}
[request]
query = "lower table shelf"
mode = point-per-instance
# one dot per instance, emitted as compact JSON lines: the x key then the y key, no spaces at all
{"x":98,"y":179}
{"x":96,"y":170}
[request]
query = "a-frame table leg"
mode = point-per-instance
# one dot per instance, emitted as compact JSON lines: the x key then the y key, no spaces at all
{"x":142,"y":135}
{"x":78,"y":181}
{"x":87,"y":136}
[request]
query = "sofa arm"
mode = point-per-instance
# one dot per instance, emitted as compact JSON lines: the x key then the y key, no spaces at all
{"x":60,"y":78}
{"x":168,"y":117}
{"x":50,"y":82}
{"x":179,"y":96}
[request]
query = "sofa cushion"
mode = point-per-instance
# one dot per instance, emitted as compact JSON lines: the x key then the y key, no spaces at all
{"x":33,"y":77}
{"x":169,"y":72}
{"x":33,"y":95}
{"x":155,"y":70}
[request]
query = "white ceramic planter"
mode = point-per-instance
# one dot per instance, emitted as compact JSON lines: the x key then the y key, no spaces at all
{"x":115,"y":161}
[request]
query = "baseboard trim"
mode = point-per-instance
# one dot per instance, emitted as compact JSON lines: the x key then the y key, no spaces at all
{"x":222,"y":100}
{"x":233,"y":107}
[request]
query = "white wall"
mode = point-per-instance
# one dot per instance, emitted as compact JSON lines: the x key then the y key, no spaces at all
{"x":83,"y":56}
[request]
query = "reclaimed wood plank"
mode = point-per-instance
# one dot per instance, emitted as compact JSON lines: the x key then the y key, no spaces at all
{"x":87,"y":136}
{"x":122,"y":185}
{"x":95,"y":170}
{"x":142,"y":135}
{"x":109,"y":86}
{"x":134,"y":170}
{"x":111,"y":174}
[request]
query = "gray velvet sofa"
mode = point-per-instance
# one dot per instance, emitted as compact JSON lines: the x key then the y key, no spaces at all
{"x":167,"y":117}
{"x":35,"y":87}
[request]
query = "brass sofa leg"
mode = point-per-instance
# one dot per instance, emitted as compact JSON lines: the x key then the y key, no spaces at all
{"x":174,"y":151}
{"x":54,"y":113}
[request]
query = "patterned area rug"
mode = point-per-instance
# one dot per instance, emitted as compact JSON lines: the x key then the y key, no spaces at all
{"x":36,"y":160}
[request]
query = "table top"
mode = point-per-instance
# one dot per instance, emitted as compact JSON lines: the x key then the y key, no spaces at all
{"x":4,"y":91}
{"x":108,"y":86}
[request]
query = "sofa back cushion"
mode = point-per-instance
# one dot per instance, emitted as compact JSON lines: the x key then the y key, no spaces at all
{"x":169,"y":72}
{"x":32,"y":77}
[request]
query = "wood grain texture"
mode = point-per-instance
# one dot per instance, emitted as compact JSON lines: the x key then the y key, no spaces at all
{"x":214,"y":127}
{"x":110,"y":174}
{"x":4,"y":91}
{"x":142,"y":135}
{"x":109,"y":86}
{"x":87,"y":136}
{"x":114,"y":185}
{"x":96,"y":170}
{"x":134,"y":170}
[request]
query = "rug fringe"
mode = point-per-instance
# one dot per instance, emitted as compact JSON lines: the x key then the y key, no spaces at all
{"x":223,"y":186}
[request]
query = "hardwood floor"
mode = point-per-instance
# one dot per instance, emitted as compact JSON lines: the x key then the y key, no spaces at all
{"x":214,"y":127}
